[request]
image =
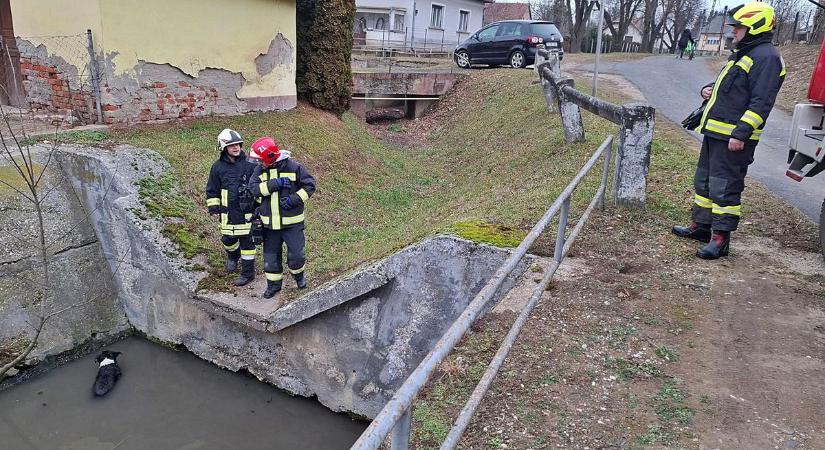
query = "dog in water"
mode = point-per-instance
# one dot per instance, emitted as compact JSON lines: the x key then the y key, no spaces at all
{"x":108,"y":372}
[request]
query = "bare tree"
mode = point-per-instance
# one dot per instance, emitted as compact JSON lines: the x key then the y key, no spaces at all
{"x":818,"y":31}
{"x":623,"y":13}
{"x":785,"y":12}
{"x":578,"y":13}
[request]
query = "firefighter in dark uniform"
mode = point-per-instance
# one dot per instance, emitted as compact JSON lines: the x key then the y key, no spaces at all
{"x":228,"y":199}
{"x":738,"y":104}
{"x":283,"y":187}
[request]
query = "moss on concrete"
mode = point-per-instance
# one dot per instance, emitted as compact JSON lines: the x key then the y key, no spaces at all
{"x":480,"y":231}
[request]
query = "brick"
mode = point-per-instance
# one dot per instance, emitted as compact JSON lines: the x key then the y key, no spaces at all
{"x":110,"y":107}
{"x":158,"y":85}
{"x":183,"y":84}
{"x":25,"y":65}
{"x":57,"y":87}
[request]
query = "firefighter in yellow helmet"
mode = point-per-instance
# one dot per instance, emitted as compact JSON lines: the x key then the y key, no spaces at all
{"x":737,"y":106}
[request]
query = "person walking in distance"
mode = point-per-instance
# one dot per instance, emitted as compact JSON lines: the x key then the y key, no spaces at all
{"x":225,"y":194}
{"x":738,"y":104}
{"x":685,"y":39}
{"x":283,"y":186}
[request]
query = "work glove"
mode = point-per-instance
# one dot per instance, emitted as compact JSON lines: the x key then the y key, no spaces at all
{"x":279,"y":183}
{"x":290,"y":201}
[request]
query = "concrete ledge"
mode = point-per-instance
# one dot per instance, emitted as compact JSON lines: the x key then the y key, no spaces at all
{"x":328,"y":296}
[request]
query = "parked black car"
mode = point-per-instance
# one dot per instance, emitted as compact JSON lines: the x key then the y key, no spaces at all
{"x":510,"y":42}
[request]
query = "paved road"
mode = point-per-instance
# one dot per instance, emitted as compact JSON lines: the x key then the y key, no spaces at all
{"x":672,"y":86}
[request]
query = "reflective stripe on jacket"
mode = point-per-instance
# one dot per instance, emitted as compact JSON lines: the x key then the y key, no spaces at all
{"x":226,"y":179}
{"x":263,"y":185}
{"x":744,"y":93}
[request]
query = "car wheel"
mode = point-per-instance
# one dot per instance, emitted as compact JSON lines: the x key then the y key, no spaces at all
{"x":517,"y":60}
{"x":462,"y":59}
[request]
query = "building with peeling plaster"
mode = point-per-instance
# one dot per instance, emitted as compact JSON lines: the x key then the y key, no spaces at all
{"x":154,"y":59}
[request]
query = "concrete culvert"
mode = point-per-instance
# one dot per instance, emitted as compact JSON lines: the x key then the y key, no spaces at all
{"x":350,"y":342}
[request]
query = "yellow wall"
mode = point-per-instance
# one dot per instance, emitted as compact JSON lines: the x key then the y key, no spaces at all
{"x":38,"y":21}
{"x":192,"y":36}
{"x":188,"y":34}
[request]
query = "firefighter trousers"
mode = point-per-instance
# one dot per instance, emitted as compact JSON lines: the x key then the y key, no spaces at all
{"x":238,"y":247}
{"x":274,"y":241}
{"x":719,"y":182}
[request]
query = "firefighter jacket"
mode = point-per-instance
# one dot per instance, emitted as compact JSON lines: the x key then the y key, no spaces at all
{"x":744,"y":92}
{"x":227,"y":180}
{"x":263,"y":185}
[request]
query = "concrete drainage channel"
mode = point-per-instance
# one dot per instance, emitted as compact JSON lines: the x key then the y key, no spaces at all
{"x":350,"y":343}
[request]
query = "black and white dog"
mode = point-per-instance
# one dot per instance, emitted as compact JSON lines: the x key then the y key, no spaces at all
{"x":108,"y":373}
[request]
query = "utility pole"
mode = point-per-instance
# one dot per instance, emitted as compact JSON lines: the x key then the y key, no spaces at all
{"x":722,"y":30}
{"x":795,"y":24}
{"x":412,"y":35}
{"x":598,"y":46}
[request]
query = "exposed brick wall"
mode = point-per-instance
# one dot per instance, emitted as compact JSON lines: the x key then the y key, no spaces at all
{"x":147,"y":92}
{"x":53,"y":86}
{"x":47,"y":89}
{"x":159,"y":100}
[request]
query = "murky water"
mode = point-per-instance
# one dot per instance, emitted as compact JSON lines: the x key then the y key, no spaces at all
{"x":165,"y":400}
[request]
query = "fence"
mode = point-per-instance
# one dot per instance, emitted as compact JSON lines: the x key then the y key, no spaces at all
{"x":52,"y":74}
{"x":391,"y":43}
{"x":396,"y":415}
{"x":635,"y":120}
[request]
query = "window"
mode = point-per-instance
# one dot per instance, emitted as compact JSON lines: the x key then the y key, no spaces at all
{"x":510,"y":29}
{"x":437,"y":16}
{"x":463,"y":20}
{"x":398,"y":23}
{"x":487,"y":34}
{"x":379,"y":23}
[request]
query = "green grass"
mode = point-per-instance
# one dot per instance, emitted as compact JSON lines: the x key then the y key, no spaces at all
{"x":482,"y":174}
{"x":669,"y":404}
{"x":668,"y":354}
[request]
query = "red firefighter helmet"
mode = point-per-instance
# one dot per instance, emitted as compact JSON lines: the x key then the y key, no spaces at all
{"x":265,"y":150}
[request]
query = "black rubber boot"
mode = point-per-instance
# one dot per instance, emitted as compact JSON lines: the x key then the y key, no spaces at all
{"x":718,"y":246}
{"x":697,"y":231}
{"x":272,"y":288}
{"x":247,"y":272}
{"x":300,"y":280}
{"x":231,"y":265}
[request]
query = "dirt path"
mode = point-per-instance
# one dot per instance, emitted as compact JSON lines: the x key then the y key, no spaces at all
{"x":760,"y":352}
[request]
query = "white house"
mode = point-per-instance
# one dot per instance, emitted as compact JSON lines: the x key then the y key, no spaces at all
{"x":437,"y":24}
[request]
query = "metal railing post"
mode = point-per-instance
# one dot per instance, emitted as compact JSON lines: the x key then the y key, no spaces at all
{"x":565,"y":210}
{"x":608,"y":154}
{"x":401,"y":432}
{"x":95,"y":75}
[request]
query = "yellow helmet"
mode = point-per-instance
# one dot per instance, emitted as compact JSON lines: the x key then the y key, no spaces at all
{"x":756,"y":16}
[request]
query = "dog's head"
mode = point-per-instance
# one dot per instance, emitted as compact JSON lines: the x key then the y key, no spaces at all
{"x":107,"y":354}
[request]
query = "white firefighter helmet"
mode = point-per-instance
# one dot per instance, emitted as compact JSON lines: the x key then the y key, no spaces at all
{"x":228,"y":137}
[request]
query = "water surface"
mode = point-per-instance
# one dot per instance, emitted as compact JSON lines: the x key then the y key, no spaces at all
{"x":165,"y":400}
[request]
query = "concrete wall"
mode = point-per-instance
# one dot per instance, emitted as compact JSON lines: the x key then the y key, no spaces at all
{"x":167,"y":60}
{"x":80,"y":276}
{"x":348,"y":346}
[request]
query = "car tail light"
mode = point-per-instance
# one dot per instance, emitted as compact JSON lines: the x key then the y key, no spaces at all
{"x":535,"y":39}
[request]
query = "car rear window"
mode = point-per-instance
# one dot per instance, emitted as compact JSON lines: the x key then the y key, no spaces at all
{"x":545,"y":30}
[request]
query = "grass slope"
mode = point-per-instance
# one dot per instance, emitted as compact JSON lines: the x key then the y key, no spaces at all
{"x":495,"y":156}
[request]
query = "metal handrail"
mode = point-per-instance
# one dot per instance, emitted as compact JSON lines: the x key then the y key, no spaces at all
{"x":396,"y":415}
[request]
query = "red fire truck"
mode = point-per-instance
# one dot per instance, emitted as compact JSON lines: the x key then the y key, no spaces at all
{"x":807,"y":148}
